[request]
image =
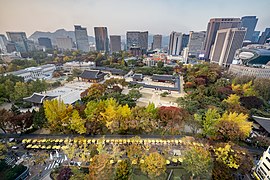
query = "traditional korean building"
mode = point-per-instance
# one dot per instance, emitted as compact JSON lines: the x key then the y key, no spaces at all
{"x":93,"y":76}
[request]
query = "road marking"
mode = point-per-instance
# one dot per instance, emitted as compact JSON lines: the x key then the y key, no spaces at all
{"x":45,"y":168}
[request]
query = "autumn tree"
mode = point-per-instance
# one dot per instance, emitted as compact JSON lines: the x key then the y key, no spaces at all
{"x":100,"y":167}
{"x":94,"y":92}
{"x":250,"y":102}
{"x":64,"y":174}
{"x":233,"y":104}
{"x":233,"y":157}
{"x":197,"y":162}
{"x":5,"y":117}
{"x":262,"y":86}
{"x":172,"y":119}
{"x":77,"y":124}
{"x":123,"y":170}
{"x":3,"y":150}
{"x":154,"y":165}
{"x":58,"y":115}
{"x":134,"y":153}
{"x":233,"y":126}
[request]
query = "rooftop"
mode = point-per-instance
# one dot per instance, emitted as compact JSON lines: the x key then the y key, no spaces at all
{"x":264,"y":122}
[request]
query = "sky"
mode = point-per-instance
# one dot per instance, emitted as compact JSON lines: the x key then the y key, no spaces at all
{"x":156,"y":16}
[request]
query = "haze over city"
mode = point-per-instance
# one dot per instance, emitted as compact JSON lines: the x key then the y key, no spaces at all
{"x":156,"y":16}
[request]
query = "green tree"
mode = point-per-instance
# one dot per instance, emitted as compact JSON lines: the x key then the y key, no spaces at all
{"x":197,"y":161}
{"x":208,"y":121}
{"x":20,"y":91}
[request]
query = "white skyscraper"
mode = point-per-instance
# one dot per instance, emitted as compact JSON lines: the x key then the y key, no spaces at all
{"x":81,"y":39}
{"x":226,"y":43}
{"x":175,"y":43}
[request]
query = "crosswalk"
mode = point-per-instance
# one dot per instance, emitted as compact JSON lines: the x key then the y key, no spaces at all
{"x":54,"y":164}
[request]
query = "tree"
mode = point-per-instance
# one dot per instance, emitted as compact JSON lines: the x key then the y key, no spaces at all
{"x":123,"y":170}
{"x":5,"y":117}
{"x":77,"y":124}
{"x":230,"y":122}
{"x":262,"y":86}
{"x":208,"y":121}
{"x":3,"y":150}
{"x":134,"y":153}
{"x":58,"y":115}
{"x":250,"y":102}
{"x":134,"y":94}
{"x":94,"y":92}
{"x":154,"y":165}
{"x":39,"y":118}
{"x":20,"y":91}
{"x":233,"y":156}
{"x":197,"y":161}
{"x":64,"y":174}
{"x":100,"y":167}
{"x":160,"y":64}
{"x":172,"y":119}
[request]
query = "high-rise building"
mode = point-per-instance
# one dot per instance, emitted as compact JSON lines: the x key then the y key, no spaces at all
{"x":20,"y":40}
{"x":3,"y":43}
{"x":46,"y":42}
{"x":133,"y":39}
{"x":195,"y":43}
{"x":115,"y":42}
{"x":157,"y":41}
{"x":102,"y":40}
{"x":226,"y":43}
{"x":250,"y":23}
{"x":265,"y":35}
{"x":185,"y":40}
{"x":81,"y":38}
{"x":175,"y":43}
{"x":213,"y":26}
{"x":139,"y":39}
{"x":64,"y":43}
{"x":143,"y":41}
{"x":255,"y":36}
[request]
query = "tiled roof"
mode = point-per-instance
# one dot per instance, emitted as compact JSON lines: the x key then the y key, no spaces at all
{"x":163,"y":77}
{"x":137,"y":76}
{"x":92,"y":74}
{"x":264,"y":122}
{"x":38,"y":98}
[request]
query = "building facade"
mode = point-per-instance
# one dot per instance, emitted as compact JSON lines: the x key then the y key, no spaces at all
{"x":102,"y":40}
{"x":249,"y":22}
{"x":175,"y":43}
{"x":139,"y":39}
{"x":64,"y":43}
{"x":185,"y":40}
{"x":241,"y":70}
{"x":20,"y":40}
{"x":157,"y":41}
{"x":265,"y":35}
{"x":70,"y":66}
{"x":195,"y":43}
{"x":115,"y":43}
{"x":226,"y":43}
{"x":32,"y":73}
{"x":262,"y":170}
{"x":81,"y":37}
{"x":46,"y":42}
{"x":3,"y":43}
{"x":213,"y":26}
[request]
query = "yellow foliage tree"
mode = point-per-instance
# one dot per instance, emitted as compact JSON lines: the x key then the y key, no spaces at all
{"x":77,"y":124}
{"x":233,"y":99}
{"x":226,"y":155}
{"x":58,"y":115}
{"x":238,"y":119}
{"x":154,"y":165}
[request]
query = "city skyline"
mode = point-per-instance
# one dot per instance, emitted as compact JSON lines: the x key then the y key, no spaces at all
{"x":181,"y":16}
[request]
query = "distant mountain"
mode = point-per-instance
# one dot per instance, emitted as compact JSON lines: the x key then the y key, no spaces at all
{"x":60,"y":33}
